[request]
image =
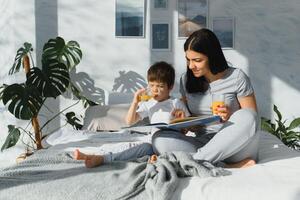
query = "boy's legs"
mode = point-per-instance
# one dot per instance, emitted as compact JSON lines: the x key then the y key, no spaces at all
{"x":129,"y":154}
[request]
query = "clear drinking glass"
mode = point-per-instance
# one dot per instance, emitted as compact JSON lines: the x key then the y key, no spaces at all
{"x":145,"y":96}
{"x":217,"y":100}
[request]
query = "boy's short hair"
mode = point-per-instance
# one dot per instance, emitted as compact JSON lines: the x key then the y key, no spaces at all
{"x":162,"y":72}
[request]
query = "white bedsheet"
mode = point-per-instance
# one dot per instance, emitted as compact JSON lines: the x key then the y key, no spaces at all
{"x":94,"y":142}
{"x":276,"y":176}
{"x":275,"y":180}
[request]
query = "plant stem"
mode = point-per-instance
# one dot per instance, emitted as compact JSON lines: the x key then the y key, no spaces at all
{"x":26,"y":144}
{"x":58,"y":128}
{"x":58,"y":114}
{"x":31,"y":59}
{"x":28,"y":133}
{"x":36,"y":128}
{"x":35,"y":121}
{"x":48,"y":108}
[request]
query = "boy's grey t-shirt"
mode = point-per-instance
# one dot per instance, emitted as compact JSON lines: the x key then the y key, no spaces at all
{"x":235,"y":83}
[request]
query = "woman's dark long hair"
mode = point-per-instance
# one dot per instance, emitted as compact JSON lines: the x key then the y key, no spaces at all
{"x":206,"y":42}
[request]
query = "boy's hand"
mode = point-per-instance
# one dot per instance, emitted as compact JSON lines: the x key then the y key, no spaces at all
{"x":137,"y":94}
{"x":178,"y":113}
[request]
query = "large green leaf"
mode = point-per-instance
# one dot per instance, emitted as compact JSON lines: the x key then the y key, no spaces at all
{"x":2,"y":90}
{"x":19,"y":57}
{"x":73,"y":120}
{"x":51,"y":81}
{"x":281,"y":127}
{"x":266,"y":125}
{"x":277,"y":112}
{"x":12,"y":138}
{"x":292,"y":135}
{"x":70,"y":54}
{"x":24,"y":102}
{"x":294,"y":124}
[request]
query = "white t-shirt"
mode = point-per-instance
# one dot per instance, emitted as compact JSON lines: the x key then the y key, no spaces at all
{"x":159,"y":112}
{"x":234,"y":84}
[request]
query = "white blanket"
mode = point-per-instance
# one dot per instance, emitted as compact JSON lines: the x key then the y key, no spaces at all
{"x":94,"y":142}
{"x":276,"y":176}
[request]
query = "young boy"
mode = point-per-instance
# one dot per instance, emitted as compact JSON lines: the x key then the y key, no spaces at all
{"x":160,"y":108}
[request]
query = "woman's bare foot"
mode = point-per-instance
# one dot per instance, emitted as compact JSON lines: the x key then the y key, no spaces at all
{"x":78,"y":155}
{"x":93,"y":161}
{"x":248,"y":162}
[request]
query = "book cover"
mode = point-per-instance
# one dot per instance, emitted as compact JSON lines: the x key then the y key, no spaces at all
{"x":178,"y":124}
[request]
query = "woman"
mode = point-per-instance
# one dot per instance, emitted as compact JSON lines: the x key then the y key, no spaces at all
{"x":235,"y":140}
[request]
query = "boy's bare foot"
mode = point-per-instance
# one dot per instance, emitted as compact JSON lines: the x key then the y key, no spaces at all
{"x":93,"y":160}
{"x":78,"y":155}
{"x":248,"y":162}
{"x":90,"y":160}
{"x":153,"y":159}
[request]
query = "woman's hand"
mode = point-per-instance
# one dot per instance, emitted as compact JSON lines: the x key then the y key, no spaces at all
{"x":223,"y":111}
{"x":178,"y":114}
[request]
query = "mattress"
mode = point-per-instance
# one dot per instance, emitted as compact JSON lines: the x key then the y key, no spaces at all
{"x":275,"y":176}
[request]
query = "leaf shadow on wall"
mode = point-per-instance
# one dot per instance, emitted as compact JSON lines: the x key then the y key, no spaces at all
{"x":86,"y":85}
{"x":128,"y":82}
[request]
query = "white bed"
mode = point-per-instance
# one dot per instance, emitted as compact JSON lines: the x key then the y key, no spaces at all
{"x":276,"y":176}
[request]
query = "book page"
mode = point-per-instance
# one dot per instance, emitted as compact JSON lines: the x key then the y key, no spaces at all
{"x":194,"y":121}
{"x":182,"y":119}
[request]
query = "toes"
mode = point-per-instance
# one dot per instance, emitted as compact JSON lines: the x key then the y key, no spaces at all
{"x":76,"y":154}
{"x":251,"y":162}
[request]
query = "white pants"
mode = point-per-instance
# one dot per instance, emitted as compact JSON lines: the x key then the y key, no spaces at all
{"x":130,"y":154}
{"x":237,"y":140}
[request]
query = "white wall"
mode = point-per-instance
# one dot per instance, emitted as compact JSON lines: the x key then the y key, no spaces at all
{"x":267,"y":43}
{"x":17,"y":25}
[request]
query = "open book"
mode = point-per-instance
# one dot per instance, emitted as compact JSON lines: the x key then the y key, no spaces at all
{"x":178,"y":124}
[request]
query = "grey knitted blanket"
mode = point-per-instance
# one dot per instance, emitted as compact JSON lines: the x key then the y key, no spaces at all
{"x":52,"y":175}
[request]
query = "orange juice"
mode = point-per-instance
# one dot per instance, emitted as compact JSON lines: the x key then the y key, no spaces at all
{"x":145,"y":97}
{"x":214,"y":106}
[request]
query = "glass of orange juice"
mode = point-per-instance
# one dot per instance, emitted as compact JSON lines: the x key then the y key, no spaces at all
{"x":145,"y":96}
{"x":217,"y":100}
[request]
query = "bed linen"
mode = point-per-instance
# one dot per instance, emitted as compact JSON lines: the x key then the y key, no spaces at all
{"x":276,"y":176}
{"x":53,"y":174}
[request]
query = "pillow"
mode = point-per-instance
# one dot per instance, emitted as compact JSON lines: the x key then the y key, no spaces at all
{"x":271,"y":148}
{"x":118,"y":98}
{"x":107,"y":117}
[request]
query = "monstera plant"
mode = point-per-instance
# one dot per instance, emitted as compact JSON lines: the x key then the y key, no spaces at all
{"x":50,"y":80}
